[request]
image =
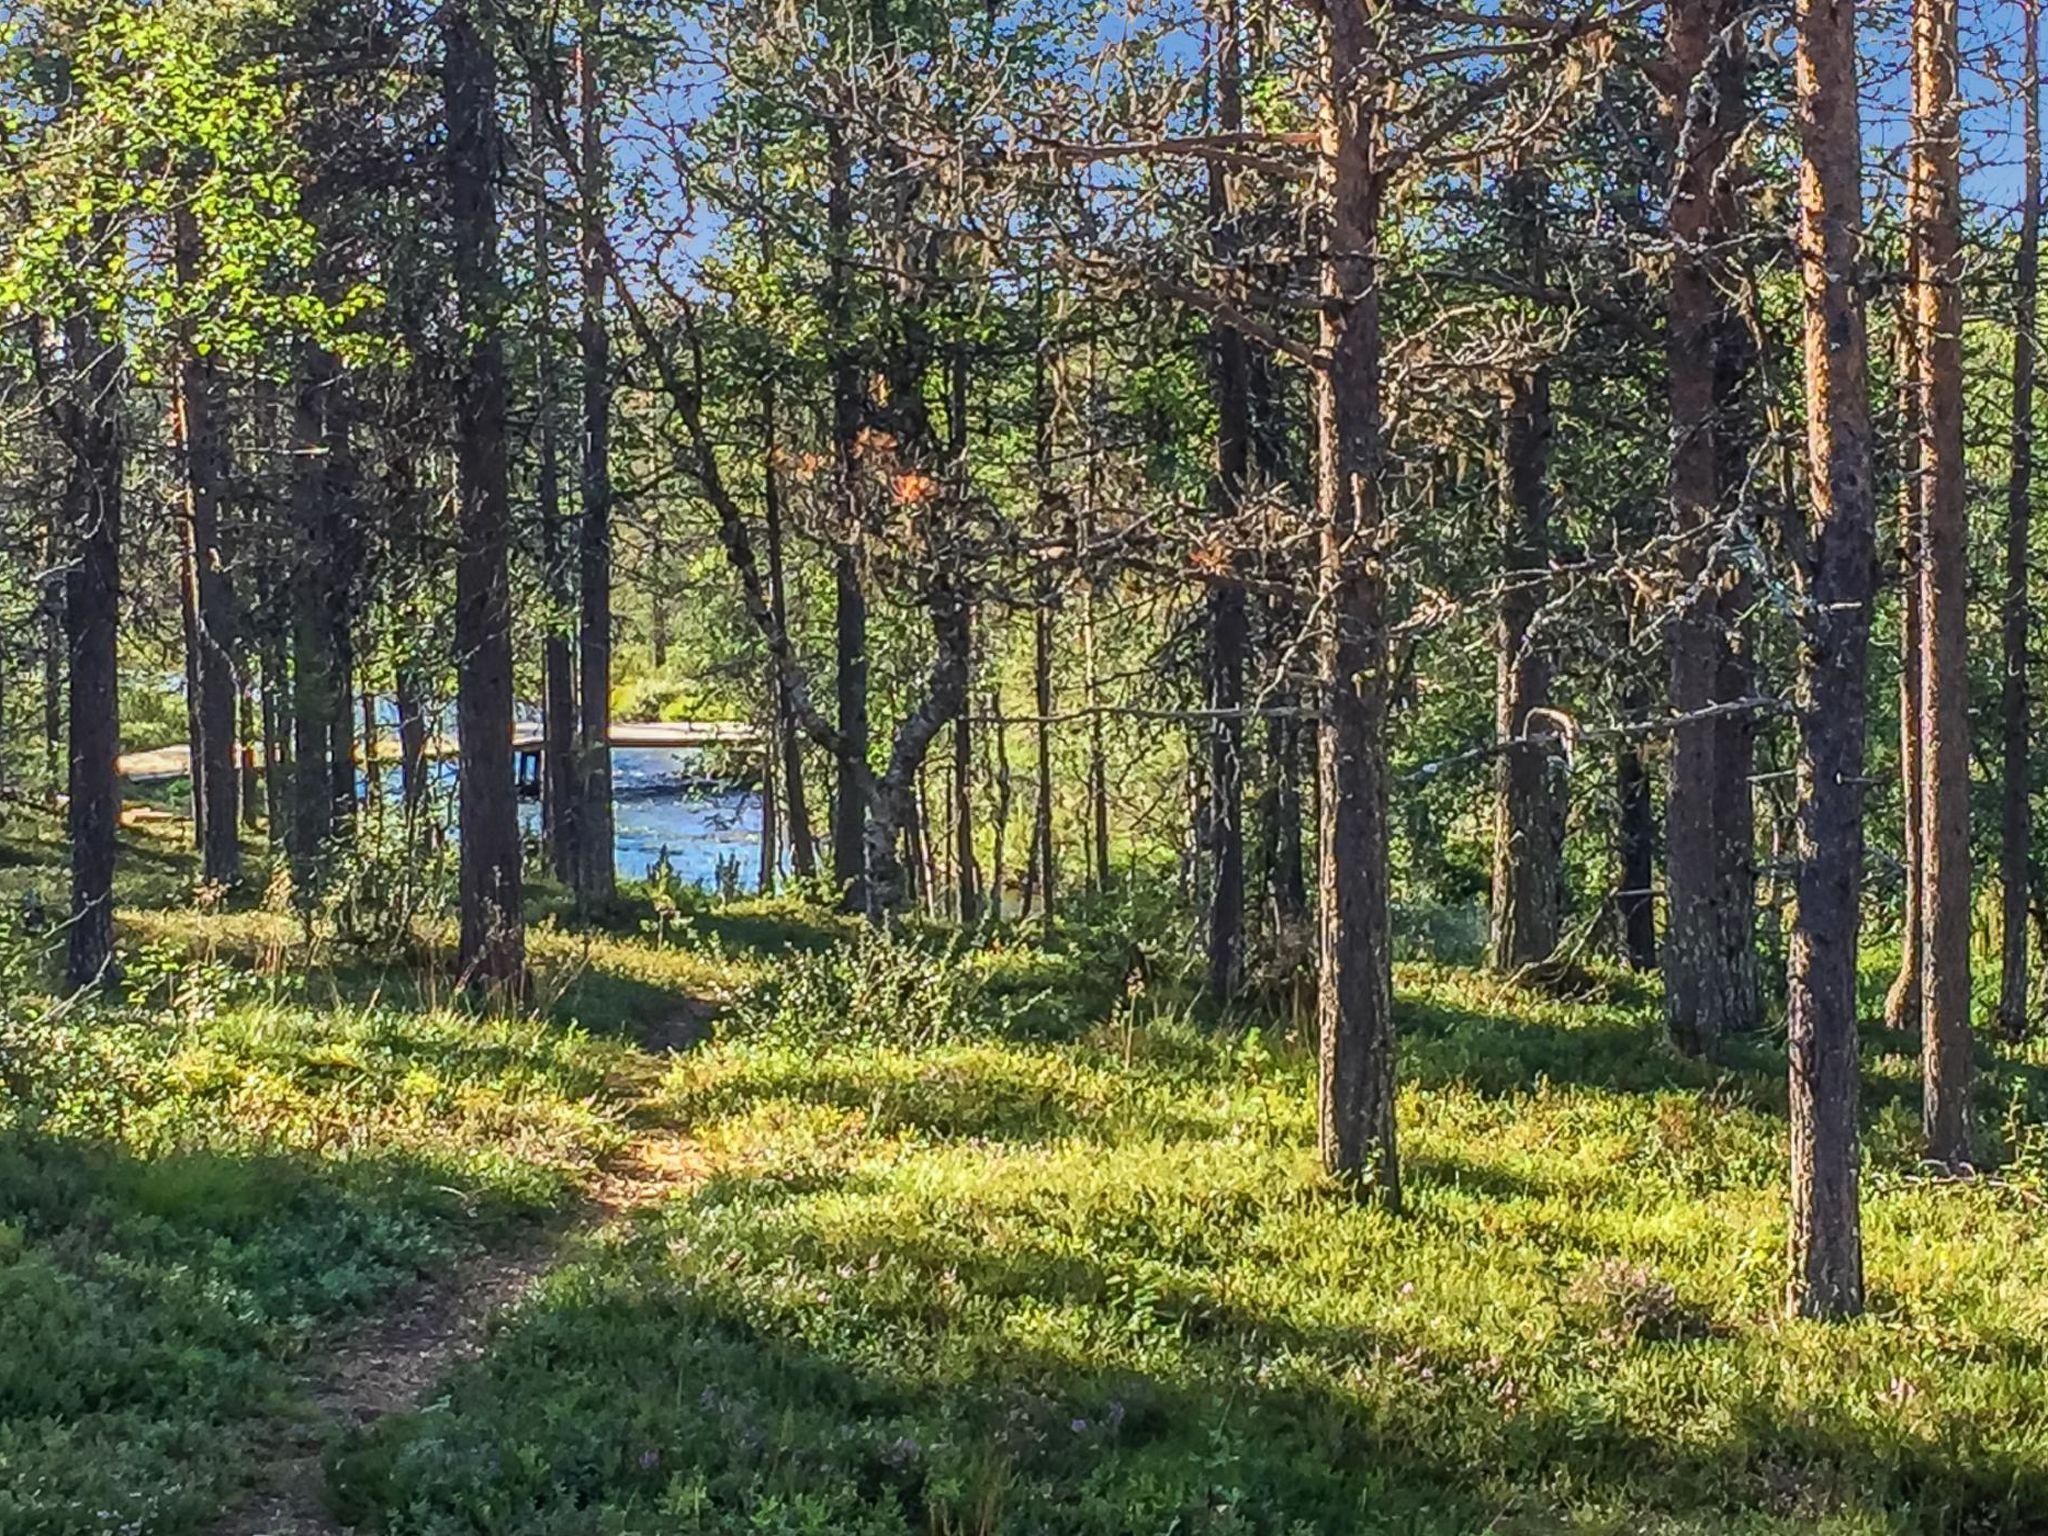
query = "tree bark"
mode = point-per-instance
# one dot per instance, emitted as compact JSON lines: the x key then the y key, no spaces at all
{"x":94,"y":485}
{"x":966,"y":870}
{"x":1707,"y":953}
{"x":850,"y":626}
{"x":1529,"y":812}
{"x":202,"y":445}
{"x":493,"y":950}
{"x":316,"y":690}
{"x":1826,"y":1245}
{"x":1902,"y":1002}
{"x":999,"y":877}
{"x":1356,"y":1055}
{"x":596,"y":862}
{"x":558,"y":665}
{"x":803,"y":847}
{"x":2013,"y":874}
{"x":1944,"y":685}
{"x":1228,"y":635}
{"x":1528,"y":846}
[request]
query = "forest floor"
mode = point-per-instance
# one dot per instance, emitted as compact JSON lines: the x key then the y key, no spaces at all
{"x":756,"y":1224}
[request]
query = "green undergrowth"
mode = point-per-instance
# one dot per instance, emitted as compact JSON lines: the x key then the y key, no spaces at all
{"x":990,"y":1246}
{"x":980,"y":1236}
{"x":207,"y":1171}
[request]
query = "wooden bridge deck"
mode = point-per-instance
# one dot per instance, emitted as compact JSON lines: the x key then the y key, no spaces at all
{"x":175,"y":761}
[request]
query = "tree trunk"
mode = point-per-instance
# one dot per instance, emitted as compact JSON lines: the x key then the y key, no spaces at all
{"x":1827,"y":1243}
{"x":412,"y":747}
{"x":254,"y":794}
{"x":771,"y":831}
{"x":277,"y":716}
{"x":316,"y":691}
{"x":1039,"y":886}
{"x":202,"y":443}
{"x":1529,"y":824}
{"x":493,"y":953}
{"x":596,"y":862}
{"x":1356,"y":1057}
{"x":1944,"y":684}
{"x":999,"y":875}
{"x":803,"y":847}
{"x":1709,"y":970}
{"x":849,"y":804}
{"x":849,"y":807}
{"x":1227,"y":623}
{"x":1902,"y":1002}
{"x":966,"y":871}
{"x":93,"y":491}
{"x":1528,"y":845}
{"x":558,"y":664}
{"x":2013,"y":876}
{"x":1636,"y":900}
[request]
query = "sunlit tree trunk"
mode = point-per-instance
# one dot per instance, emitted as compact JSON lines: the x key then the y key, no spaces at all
{"x":1529,"y":811}
{"x":1228,"y":636}
{"x":596,"y":866}
{"x":966,"y":868}
{"x":2013,"y":875}
{"x":1944,"y":679}
{"x":1827,"y":1246}
{"x":1707,"y":952}
{"x":803,"y":848}
{"x":202,"y":446}
{"x":316,"y":690}
{"x":94,"y":486}
{"x":559,"y":798}
{"x":1356,"y":1055}
{"x":1902,"y":1002}
{"x":850,"y":607}
{"x":493,"y":947}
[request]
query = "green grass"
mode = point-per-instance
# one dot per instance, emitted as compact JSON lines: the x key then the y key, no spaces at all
{"x":989,"y":1240}
{"x":202,"y":1178}
{"x":973,"y":1279}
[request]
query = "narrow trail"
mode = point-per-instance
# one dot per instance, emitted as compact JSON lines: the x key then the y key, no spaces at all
{"x":387,"y":1363}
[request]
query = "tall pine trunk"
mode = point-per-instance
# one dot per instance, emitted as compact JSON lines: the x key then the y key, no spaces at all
{"x":202,"y":446}
{"x":1827,"y":1243}
{"x":1528,"y":845}
{"x":1356,"y":1052}
{"x":850,"y":616}
{"x":317,"y":696}
{"x":803,"y":848}
{"x":1227,"y":622}
{"x":558,"y":665}
{"x":1902,"y":1002}
{"x":1707,"y":953}
{"x":1944,"y":679}
{"x":2013,"y":879}
{"x":94,"y":485}
{"x":493,"y":951}
{"x":596,"y":864}
{"x":1529,"y":811}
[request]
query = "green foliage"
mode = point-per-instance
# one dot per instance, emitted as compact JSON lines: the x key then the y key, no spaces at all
{"x":202,"y":1177}
{"x":882,"y":989}
{"x":988,"y":1238}
{"x":995,"y":1284}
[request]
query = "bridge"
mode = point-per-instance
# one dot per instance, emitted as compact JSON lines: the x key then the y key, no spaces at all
{"x":175,"y":762}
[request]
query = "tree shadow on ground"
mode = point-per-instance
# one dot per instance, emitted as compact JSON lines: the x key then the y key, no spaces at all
{"x":151,"y":1306}
{"x":732,"y":1367}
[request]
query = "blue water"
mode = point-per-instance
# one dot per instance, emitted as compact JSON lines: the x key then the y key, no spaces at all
{"x":657,"y":805}
{"x":661,"y":804}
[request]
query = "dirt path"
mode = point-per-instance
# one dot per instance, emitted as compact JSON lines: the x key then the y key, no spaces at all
{"x":387,"y":1363}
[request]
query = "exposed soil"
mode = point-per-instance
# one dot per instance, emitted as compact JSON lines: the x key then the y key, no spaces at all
{"x":388,"y":1363}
